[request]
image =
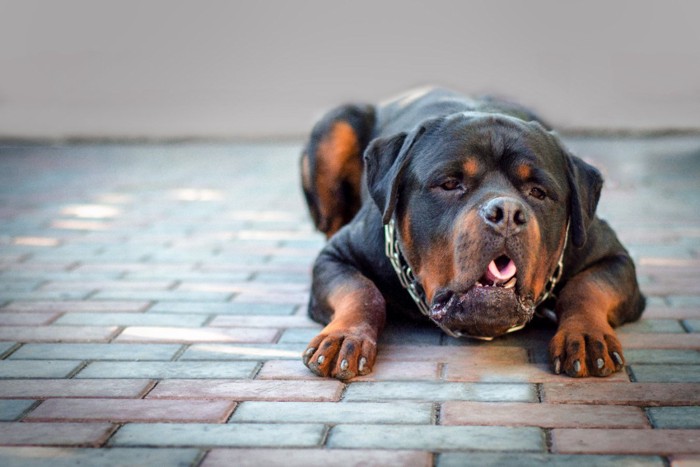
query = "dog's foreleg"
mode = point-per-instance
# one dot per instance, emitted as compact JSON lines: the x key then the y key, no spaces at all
{"x":354,"y":312}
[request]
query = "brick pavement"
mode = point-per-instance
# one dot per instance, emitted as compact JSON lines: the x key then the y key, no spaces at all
{"x":152,"y":311}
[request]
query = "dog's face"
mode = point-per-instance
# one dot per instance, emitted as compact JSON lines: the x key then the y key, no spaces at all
{"x":481,"y":205}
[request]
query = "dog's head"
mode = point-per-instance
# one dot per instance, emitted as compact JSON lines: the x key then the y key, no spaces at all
{"x":481,"y":204}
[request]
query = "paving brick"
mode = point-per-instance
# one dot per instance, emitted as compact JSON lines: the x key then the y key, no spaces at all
{"x":131,"y":410}
{"x":253,"y":321}
{"x":45,"y":295}
{"x":191,"y":335}
{"x":58,"y":333}
{"x":19,"y":284}
{"x":667,"y":312}
{"x":11,"y":410}
{"x":659,"y":356}
{"x":383,"y":371}
{"x":37,"y":368}
{"x":195,"y":276}
{"x":660,"y":341}
{"x":113,"y":457}
{"x":285,"y":369}
{"x":167,"y":295}
{"x":693,"y":325}
{"x":96,"y":352}
{"x":436,"y":438}
{"x":685,"y":461}
{"x":438,"y":391}
{"x":460,"y":459}
{"x":298,"y":335}
{"x":542,"y":415}
{"x":675,"y":417}
{"x":315,"y":458}
{"x":76,"y":306}
{"x":89,"y":285}
{"x":131,"y":319}
{"x":484,"y":354}
{"x":642,"y":394}
{"x":666,"y":373}
{"x":624,"y":441}
{"x":45,"y":388}
{"x":405,"y":333}
{"x":504,"y":372}
{"x":122,"y":268}
{"x":677,"y":284}
{"x":255,"y":390}
{"x":168,"y":370}
{"x":26,"y":319}
{"x":334,"y":412}
{"x":48,"y":434}
{"x":6,"y":347}
{"x":280,"y":277}
{"x":234,"y":435}
{"x":294,"y":298}
{"x":33,"y":268}
{"x":256,"y":352}
{"x":684,"y":300}
{"x":652,"y":326}
{"x":229,"y":308}
{"x":246,"y":287}
{"x":535,"y":335}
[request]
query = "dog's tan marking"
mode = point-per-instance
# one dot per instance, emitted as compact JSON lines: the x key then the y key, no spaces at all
{"x":523,"y":171}
{"x":337,"y":161}
{"x":471,"y":167}
{"x":305,"y":172}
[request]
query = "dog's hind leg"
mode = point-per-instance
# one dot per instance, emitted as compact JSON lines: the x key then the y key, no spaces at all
{"x":331,"y":165}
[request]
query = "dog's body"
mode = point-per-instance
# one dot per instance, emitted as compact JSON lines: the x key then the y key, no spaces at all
{"x":487,"y":217}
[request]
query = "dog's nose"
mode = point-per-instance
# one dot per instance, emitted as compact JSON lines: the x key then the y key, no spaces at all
{"x":507,"y":216}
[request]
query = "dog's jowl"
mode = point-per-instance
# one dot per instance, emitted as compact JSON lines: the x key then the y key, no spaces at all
{"x":470,"y":213}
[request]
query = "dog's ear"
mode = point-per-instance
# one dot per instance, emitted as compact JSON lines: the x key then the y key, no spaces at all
{"x":385,"y":161}
{"x":585,"y":184}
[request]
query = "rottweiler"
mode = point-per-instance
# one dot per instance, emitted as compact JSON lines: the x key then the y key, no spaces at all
{"x":469,"y":212}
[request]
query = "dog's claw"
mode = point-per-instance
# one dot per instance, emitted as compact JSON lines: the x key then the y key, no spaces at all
{"x":618,"y":359}
{"x":557,"y":366}
{"x":307,"y":355}
{"x":344,"y":365}
{"x":600,"y":363}
{"x":577,"y":367}
{"x":321,"y":359}
{"x":361,"y":366}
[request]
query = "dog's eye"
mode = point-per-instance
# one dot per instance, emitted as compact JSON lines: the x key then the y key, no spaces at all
{"x":451,"y":184}
{"x":538,"y":193}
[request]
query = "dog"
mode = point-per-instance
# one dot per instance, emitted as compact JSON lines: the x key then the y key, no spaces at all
{"x":467,"y":212}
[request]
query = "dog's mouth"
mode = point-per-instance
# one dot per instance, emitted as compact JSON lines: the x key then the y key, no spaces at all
{"x":489,"y":308}
{"x":499,"y":273}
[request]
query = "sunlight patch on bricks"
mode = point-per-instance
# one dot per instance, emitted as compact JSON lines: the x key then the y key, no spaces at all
{"x":91,"y":211}
{"x":265,"y":353}
{"x":79,"y":225}
{"x":197,"y":194}
{"x":193,"y":335}
{"x":36,"y":241}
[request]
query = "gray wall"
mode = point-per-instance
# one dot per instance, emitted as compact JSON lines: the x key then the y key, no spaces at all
{"x":257,"y":69}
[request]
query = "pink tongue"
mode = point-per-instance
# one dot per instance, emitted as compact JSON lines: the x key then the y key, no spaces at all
{"x":503,"y":274}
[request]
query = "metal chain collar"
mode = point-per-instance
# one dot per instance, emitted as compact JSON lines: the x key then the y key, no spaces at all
{"x":409,"y":281}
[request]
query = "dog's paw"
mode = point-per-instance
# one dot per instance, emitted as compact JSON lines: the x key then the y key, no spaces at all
{"x":579,"y":351}
{"x":342,"y":354}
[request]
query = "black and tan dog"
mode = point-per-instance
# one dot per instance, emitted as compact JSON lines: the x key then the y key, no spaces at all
{"x":470,"y":212}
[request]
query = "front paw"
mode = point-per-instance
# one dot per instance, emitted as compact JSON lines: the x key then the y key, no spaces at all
{"x":581,"y":351}
{"x":342,"y":354}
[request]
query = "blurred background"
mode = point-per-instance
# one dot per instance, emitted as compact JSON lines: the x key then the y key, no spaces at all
{"x":254,"y":69}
